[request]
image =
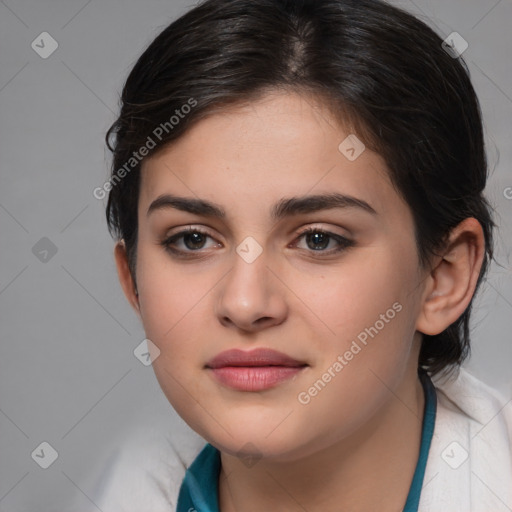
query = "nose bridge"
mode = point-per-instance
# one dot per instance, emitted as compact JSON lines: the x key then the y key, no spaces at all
{"x":248,"y":279}
{"x":250,"y":291}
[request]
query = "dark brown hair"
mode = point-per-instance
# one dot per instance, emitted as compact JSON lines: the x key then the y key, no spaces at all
{"x":381,"y":71}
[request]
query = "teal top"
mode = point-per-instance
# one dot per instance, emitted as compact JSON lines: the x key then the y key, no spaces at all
{"x":200,"y":492}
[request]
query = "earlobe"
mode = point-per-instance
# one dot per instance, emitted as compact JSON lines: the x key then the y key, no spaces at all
{"x":452,"y":283}
{"x":125,"y":276}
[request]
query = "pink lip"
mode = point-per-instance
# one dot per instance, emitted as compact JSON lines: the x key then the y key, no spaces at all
{"x":256,"y":357}
{"x":255,"y":370}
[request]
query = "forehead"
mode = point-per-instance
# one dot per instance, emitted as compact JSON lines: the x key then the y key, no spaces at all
{"x":281,"y":145}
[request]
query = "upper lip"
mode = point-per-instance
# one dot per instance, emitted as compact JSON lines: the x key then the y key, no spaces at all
{"x":256,"y":357}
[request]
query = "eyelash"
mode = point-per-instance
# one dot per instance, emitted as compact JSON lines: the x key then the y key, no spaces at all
{"x":344,"y":243}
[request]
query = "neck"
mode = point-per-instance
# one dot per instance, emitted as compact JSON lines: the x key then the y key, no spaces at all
{"x":372,"y":469}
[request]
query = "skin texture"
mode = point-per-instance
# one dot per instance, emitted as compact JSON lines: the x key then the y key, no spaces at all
{"x":354,"y":446}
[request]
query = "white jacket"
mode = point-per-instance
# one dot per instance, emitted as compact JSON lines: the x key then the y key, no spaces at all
{"x":469,"y":468}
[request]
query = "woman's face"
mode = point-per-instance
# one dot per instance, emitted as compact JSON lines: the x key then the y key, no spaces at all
{"x":345,"y":310}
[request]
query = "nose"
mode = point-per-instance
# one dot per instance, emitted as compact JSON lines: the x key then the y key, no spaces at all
{"x":251,"y":296}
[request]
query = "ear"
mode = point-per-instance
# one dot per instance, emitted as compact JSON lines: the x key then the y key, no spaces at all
{"x":451,"y":284}
{"x":125,"y":276}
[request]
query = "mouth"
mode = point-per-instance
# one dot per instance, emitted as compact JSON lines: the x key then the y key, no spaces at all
{"x":256,"y":357}
{"x":256,"y":378}
{"x":255,"y":370}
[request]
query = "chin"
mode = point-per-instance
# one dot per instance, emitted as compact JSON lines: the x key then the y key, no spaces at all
{"x":259,"y":441}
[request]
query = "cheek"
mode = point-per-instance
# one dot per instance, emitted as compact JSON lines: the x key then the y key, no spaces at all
{"x":344,"y":300}
{"x":165,"y":293}
{"x":171,"y":310}
{"x":366,"y":315}
{"x":172,"y":315}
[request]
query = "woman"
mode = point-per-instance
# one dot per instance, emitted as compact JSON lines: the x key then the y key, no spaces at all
{"x":297,"y":197}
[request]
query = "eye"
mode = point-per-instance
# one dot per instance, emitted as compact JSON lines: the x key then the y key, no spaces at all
{"x":193,"y":240}
{"x":318,"y":239}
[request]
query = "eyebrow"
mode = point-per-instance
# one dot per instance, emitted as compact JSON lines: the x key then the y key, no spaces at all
{"x":283,"y":208}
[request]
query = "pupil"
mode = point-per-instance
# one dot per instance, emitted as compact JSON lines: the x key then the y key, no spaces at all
{"x":193,"y":236}
{"x":316,"y":237}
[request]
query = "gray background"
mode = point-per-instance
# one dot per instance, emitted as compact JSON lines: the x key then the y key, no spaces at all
{"x":68,"y":375}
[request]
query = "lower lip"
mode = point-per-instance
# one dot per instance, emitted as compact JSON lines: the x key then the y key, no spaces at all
{"x":254,"y":378}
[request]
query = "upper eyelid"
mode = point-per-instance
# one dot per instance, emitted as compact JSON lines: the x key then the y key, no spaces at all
{"x":298,"y":231}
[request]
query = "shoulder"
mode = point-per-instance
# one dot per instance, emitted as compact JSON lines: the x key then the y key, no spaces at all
{"x":476,"y":399}
{"x":145,"y":469}
{"x":470,"y":459}
{"x":484,"y":413}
